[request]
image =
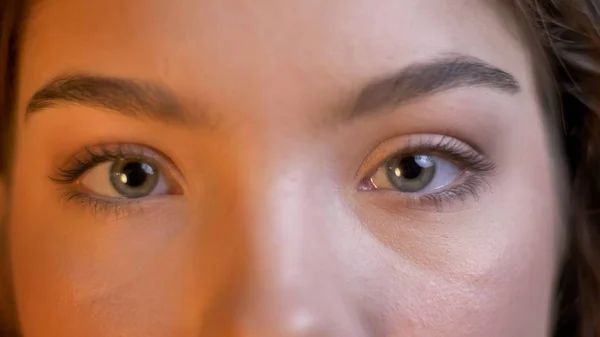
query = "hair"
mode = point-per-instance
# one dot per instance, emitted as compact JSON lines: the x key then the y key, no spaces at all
{"x":11,"y":14}
{"x":567,"y":36}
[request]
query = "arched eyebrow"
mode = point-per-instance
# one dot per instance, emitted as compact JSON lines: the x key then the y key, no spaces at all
{"x":142,"y":99}
{"x":132,"y":98}
{"x":422,"y":79}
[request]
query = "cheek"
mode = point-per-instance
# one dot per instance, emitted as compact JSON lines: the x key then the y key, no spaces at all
{"x":498,"y":283}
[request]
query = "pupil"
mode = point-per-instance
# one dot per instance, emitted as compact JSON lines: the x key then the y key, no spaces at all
{"x":136,"y":173}
{"x":410,"y":168}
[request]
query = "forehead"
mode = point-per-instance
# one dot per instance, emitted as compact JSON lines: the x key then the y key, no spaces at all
{"x":296,"y":47}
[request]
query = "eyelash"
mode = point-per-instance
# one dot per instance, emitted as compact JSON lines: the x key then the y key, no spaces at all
{"x":476,"y":168}
{"x":90,"y":158}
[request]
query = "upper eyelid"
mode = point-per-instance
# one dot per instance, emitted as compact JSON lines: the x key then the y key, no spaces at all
{"x":432,"y":143}
{"x":116,"y":150}
{"x":102,"y":153}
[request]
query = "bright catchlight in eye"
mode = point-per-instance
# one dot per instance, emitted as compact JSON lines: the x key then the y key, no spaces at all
{"x":125,"y":178}
{"x":415,"y":174}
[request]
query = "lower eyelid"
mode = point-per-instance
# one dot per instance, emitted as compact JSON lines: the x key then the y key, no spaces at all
{"x":98,"y":206}
{"x":450,"y":200}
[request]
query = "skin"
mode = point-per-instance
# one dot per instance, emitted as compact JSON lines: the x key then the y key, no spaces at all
{"x":266,"y":230}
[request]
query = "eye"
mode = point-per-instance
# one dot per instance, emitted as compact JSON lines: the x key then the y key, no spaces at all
{"x":129,"y":178}
{"x":415,"y":173}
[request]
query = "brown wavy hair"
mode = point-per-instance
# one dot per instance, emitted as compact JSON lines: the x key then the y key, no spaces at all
{"x":568,"y":32}
{"x":566,"y":38}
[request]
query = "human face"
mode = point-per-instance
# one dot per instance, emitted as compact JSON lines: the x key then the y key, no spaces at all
{"x":280,"y":168}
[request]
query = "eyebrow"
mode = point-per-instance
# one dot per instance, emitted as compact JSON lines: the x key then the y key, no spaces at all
{"x":428,"y":78}
{"x":141,"y":99}
{"x":128,"y":97}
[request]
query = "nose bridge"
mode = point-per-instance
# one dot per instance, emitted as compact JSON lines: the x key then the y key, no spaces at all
{"x":293,"y":286}
{"x":291,"y":233}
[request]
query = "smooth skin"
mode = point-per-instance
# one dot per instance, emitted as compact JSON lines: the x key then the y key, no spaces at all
{"x":264,"y":225}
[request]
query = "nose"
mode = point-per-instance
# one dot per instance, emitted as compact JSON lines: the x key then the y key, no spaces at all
{"x":292,"y":284}
{"x":295,"y":288}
